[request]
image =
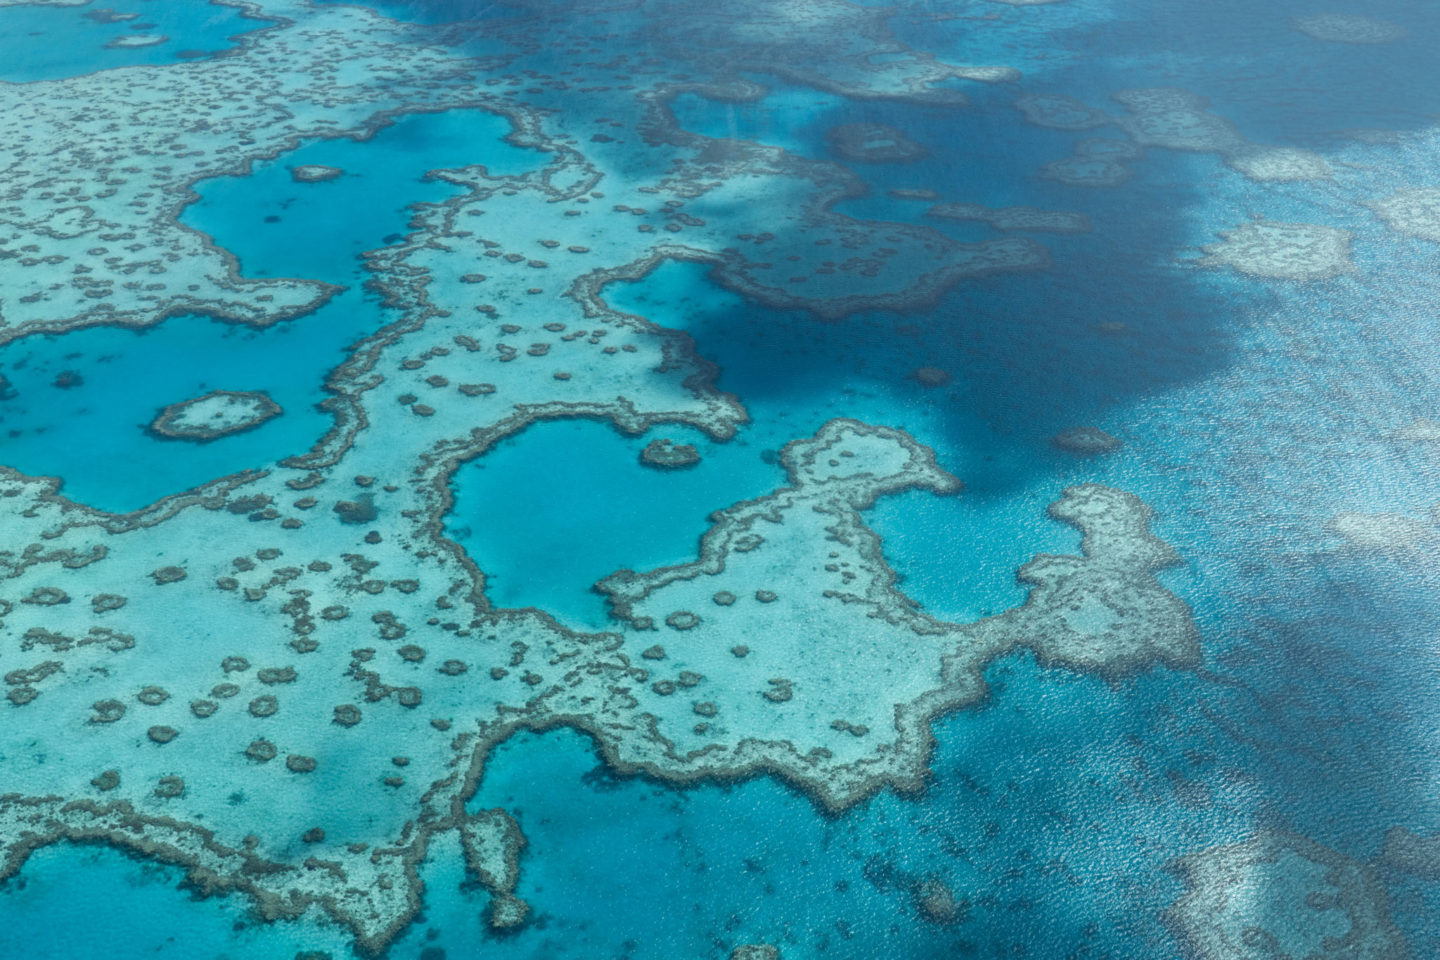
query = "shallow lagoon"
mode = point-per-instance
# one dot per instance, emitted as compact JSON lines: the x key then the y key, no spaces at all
{"x":54,"y":42}
{"x":274,"y":226}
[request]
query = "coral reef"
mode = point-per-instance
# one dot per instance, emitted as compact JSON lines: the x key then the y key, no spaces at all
{"x":665,"y":453}
{"x":1179,"y":120}
{"x":1014,"y":218}
{"x":873,"y":143}
{"x":1391,"y":533}
{"x":1414,"y":212}
{"x":1086,"y":441}
{"x":99,"y":171}
{"x":1096,"y":163}
{"x":1349,"y":28}
{"x":1282,"y":251}
{"x":1060,"y":112}
{"x":755,"y":951}
{"x":1411,"y":853}
{"x":217,"y":414}
{"x":765,"y":711}
{"x":1282,"y":895}
{"x":137,"y":40}
{"x":320,"y":635}
{"x":492,"y":842}
{"x":315,"y":173}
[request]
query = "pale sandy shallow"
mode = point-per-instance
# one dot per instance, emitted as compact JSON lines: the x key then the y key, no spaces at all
{"x":1349,"y":28}
{"x":1238,"y":893}
{"x":220,"y":413}
{"x":137,"y":40}
{"x":1282,"y":251}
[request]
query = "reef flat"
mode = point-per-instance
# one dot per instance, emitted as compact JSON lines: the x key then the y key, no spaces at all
{"x":99,"y":167}
{"x":840,"y":704}
{"x":272,"y":693}
{"x":1415,"y":212}
{"x":279,"y":692}
{"x":315,"y":173}
{"x":1282,"y":251}
{"x":138,"y":40}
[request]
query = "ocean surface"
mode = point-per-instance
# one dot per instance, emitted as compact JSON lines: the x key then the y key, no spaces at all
{"x":1276,"y":426}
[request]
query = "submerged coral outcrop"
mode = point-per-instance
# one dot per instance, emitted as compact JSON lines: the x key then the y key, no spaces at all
{"x":873,"y":143}
{"x":1349,"y":28}
{"x":1282,"y":251}
{"x":1282,"y":895}
{"x":217,"y":414}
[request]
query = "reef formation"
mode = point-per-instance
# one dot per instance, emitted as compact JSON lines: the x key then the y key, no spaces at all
{"x":442,"y":677}
{"x":220,"y":413}
{"x":315,"y":173}
{"x":1282,"y":251}
{"x":874,"y":143}
{"x":320,"y":636}
{"x":1279,"y":894}
{"x":1349,"y":28}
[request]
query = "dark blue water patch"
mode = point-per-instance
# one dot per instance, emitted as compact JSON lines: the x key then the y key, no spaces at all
{"x":280,"y":227}
{"x":438,"y":12}
{"x":92,"y":433}
{"x":552,"y":510}
{"x":1278,"y":84}
{"x":982,"y":153}
{"x":54,"y":42}
{"x":1029,"y":355}
{"x":1039,"y":337}
{"x":788,"y":116}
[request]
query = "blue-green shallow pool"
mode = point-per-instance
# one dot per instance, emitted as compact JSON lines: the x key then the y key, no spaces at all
{"x":51,"y":43}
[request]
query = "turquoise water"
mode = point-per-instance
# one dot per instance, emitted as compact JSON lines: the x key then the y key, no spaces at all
{"x":633,"y":516}
{"x":73,"y":899}
{"x":275,"y":227}
{"x":278,"y":227}
{"x":1251,"y":413}
{"x":54,"y":42}
{"x":69,"y":432}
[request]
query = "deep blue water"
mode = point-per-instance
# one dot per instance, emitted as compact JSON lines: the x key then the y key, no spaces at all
{"x":1251,"y":413}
